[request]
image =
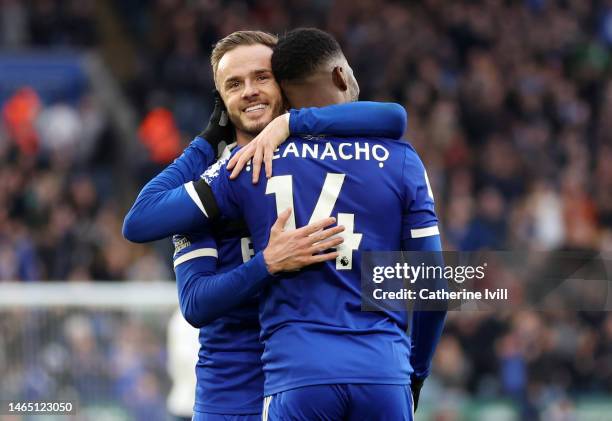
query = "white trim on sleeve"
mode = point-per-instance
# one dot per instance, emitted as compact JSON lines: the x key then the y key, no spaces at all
{"x":266,"y":408}
{"x":206,"y":252}
{"x":424,"y":232}
{"x":191,"y":191}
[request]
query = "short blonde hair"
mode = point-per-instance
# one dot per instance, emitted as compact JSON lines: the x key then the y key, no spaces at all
{"x":236,"y":39}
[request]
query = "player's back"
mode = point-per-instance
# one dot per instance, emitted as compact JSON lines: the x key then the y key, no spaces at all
{"x":312,"y":325}
{"x":321,"y":178}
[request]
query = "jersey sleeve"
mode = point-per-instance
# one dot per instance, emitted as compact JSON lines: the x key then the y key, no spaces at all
{"x":420,"y":233}
{"x":214,"y":194}
{"x":419,"y":218}
{"x":426,"y":325}
{"x":205,"y":295}
{"x":163,"y":207}
{"x":362,"y":118}
{"x":193,"y":246}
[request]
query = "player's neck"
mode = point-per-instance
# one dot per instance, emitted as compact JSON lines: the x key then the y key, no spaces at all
{"x":316,"y":97}
{"x":243,"y":138}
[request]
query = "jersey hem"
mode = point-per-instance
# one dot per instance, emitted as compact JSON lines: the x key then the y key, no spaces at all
{"x":335,"y":380}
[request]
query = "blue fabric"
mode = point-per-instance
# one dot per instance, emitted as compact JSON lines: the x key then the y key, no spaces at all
{"x":219,"y":295}
{"x":163,"y":207}
{"x":349,"y":402}
{"x":160,"y":209}
{"x":207,"y":416}
{"x":204,"y":294}
{"x":367,"y":119}
{"x":229,"y":369}
{"x":426,"y":326}
{"x":313,"y":328}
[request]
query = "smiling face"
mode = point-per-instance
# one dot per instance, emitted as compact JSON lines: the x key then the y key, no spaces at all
{"x":252,"y":97}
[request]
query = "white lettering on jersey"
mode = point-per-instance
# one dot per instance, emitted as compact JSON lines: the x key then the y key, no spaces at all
{"x":341,"y":152}
{"x":329,"y":151}
{"x":291,"y":148}
{"x":332,"y":150}
{"x":246,"y":247}
{"x":282,"y":187}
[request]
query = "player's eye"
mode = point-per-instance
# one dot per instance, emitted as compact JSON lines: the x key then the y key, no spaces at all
{"x":262,"y":78}
{"x":233,"y":84}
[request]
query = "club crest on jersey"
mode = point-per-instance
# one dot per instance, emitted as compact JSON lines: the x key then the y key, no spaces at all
{"x":347,"y":151}
{"x":213,"y":171}
{"x":180,"y":242}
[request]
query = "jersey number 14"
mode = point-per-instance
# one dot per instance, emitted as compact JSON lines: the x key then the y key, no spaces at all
{"x":282,"y":187}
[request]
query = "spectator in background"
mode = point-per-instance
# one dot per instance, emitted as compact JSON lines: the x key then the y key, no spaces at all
{"x":510,"y":107}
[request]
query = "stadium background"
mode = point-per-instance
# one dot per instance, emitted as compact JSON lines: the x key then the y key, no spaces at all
{"x":510,"y":107}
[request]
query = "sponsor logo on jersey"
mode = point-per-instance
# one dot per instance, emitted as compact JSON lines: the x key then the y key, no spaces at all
{"x":180,"y":243}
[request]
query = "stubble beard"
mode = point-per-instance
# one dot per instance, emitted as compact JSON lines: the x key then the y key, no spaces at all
{"x":254,"y":128}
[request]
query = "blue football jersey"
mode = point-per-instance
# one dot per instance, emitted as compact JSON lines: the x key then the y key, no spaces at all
{"x":229,"y":369}
{"x":313,"y":328}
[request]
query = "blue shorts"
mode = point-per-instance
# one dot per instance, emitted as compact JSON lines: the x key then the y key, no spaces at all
{"x":341,"y":402}
{"x":207,"y":416}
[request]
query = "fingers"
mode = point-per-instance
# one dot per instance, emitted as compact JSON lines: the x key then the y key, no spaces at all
{"x":322,"y":258}
{"x":259,"y":151}
{"x":325,"y":234}
{"x":245,"y":155}
{"x":253,"y":151}
{"x":325,"y":239}
{"x":317,"y":226}
{"x":268,"y":154}
{"x":234,"y":159}
{"x":325,"y":245}
{"x":282,"y":219}
{"x":218,"y":102}
{"x":256,"y":165}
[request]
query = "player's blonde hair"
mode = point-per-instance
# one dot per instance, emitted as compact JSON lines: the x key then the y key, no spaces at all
{"x":236,"y":39}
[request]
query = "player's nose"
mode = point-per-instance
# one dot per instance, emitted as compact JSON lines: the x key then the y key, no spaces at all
{"x":250,"y":90}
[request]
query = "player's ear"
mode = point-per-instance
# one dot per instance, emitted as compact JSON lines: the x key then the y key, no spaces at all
{"x":339,"y":78}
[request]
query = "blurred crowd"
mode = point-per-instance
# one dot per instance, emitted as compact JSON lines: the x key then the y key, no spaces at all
{"x":510,"y":107}
{"x":112,"y":363}
{"x":60,"y":217}
{"x":540,"y":360}
{"x":509,"y":101}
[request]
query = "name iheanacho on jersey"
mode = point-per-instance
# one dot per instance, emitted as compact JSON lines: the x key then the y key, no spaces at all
{"x":334,"y":150}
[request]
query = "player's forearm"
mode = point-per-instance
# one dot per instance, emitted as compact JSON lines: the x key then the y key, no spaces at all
{"x":427,"y":326}
{"x":205,"y":297}
{"x":159,"y":215}
{"x":363,"y":118}
{"x":162,"y":207}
